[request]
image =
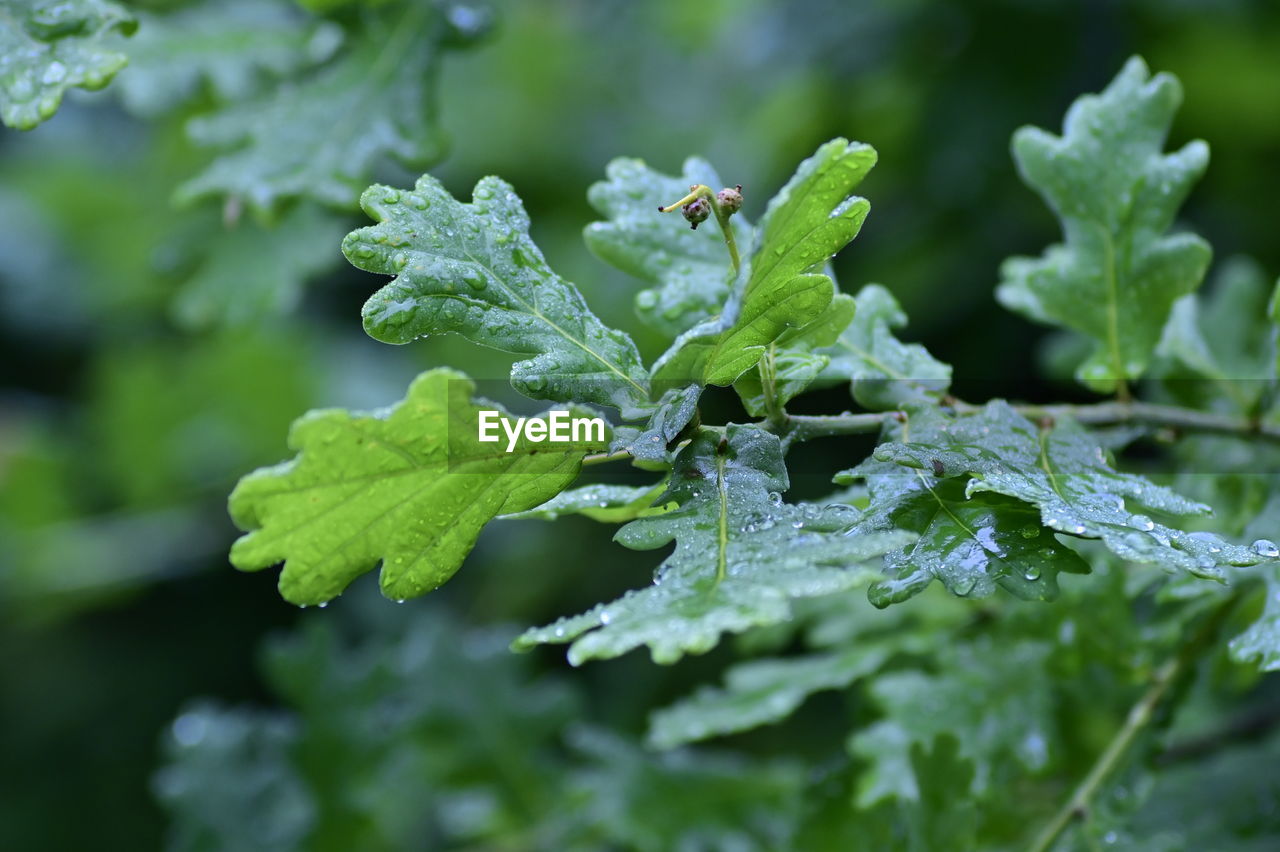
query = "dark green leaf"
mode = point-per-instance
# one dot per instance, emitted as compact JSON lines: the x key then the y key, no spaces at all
{"x":672,"y":416}
{"x":761,"y":692}
{"x":254,"y":271}
{"x":741,"y":555}
{"x":472,"y":269}
{"x":233,"y":46}
{"x":885,"y":372}
{"x":633,"y":799}
{"x":1223,"y":342}
{"x":1000,"y":695}
{"x":1117,"y":274}
{"x":1065,"y":474}
{"x":1261,"y":642}
{"x":689,"y":268}
{"x":49,"y":46}
{"x":323,"y":135}
{"x":971,"y":542}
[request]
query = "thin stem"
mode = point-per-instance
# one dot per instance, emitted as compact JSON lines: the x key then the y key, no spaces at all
{"x":722,"y":218}
{"x":769,"y":387}
{"x":1141,"y":715}
{"x":1099,"y":414}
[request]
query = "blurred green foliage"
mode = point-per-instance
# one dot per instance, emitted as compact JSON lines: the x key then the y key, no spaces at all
{"x":155,"y":345}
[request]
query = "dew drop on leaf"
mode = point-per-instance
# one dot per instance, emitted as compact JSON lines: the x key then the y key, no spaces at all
{"x":1265,"y":547}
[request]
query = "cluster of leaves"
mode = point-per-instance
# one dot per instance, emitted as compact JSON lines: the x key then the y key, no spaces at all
{"x":978,"y":497}
{"x":204,"y":215}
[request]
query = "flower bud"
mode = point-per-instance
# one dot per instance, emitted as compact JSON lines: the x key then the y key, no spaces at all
{"x":696,"y":212}
{"x":730,"y":200}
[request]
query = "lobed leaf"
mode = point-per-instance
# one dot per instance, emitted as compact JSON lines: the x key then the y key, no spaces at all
{"x":472,"y":269}
{"x":971,"y":543}
{"x":761,"y":692}
{"x":1065,"y":474}
{"x":254,"y":270}
{"x":741,"y":555}
{"x":1117,"y":274}
{"x":235,"y":47}
{"x":1223,"y":343}
{"x":408,"y":485}
{"x":1000,"y":696}
{"x":778,"y":288}
{"x":50,"y":46}
{"x":321,"y":136}
{"x":689,"y":268}
{"x":885,"y":373}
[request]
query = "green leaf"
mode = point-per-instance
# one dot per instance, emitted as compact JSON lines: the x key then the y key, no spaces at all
{"x":1065,"y":474}
{"x":885,"y":373}
{"x":790,"y":373}
{"x":254,"y":271}
{"x":1223,"y":343}
{"x":317,"y":773}
{"x":409,"y":485}
{"x":229,"y":780}
{"x":323,"y":135}
{"x":652,"y":444}
{"x":790,"y":364}
{"x":778,"y":288}
{"x":741,"y":555}
{"x":761,"y":692}
{"x":49,"y":46}
{"x":689,"y":268}
{"x":233,"y":46}
{"x":1000,"y":695}
{"x":1260,"y":643}
{"x":473,"y":270}
{"x":1117,"y":274}
{"x":608,"y":504}
{"x":970,"y":542}
{"x":937,"y":817}
{"x":634,"y":799}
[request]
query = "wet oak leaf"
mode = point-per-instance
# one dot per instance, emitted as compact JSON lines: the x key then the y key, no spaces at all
{"x":1117,"y":273}
{"x":780,"y":288}
{"x":741,"y":556}
{"x":1066,"y":475}
{"x":689,"y":268}
{"x":408,"y":485}
{"x":322,"y":135}
{"x":473,"y":270}
{"x":885,"y":373}
{"x":50,"y":46}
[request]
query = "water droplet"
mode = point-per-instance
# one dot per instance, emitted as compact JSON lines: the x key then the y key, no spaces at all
{"x":1265,"y":547}
{"x":1032,"y":573}
{"x":55,"y":73}
{"x":476,"y":280}
{"x":775,"y":498}
{"x":605,"y":616}
{"x":1142,"y":522}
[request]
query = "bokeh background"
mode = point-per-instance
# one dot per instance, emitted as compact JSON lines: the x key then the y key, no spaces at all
{"x":131,"y":399}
